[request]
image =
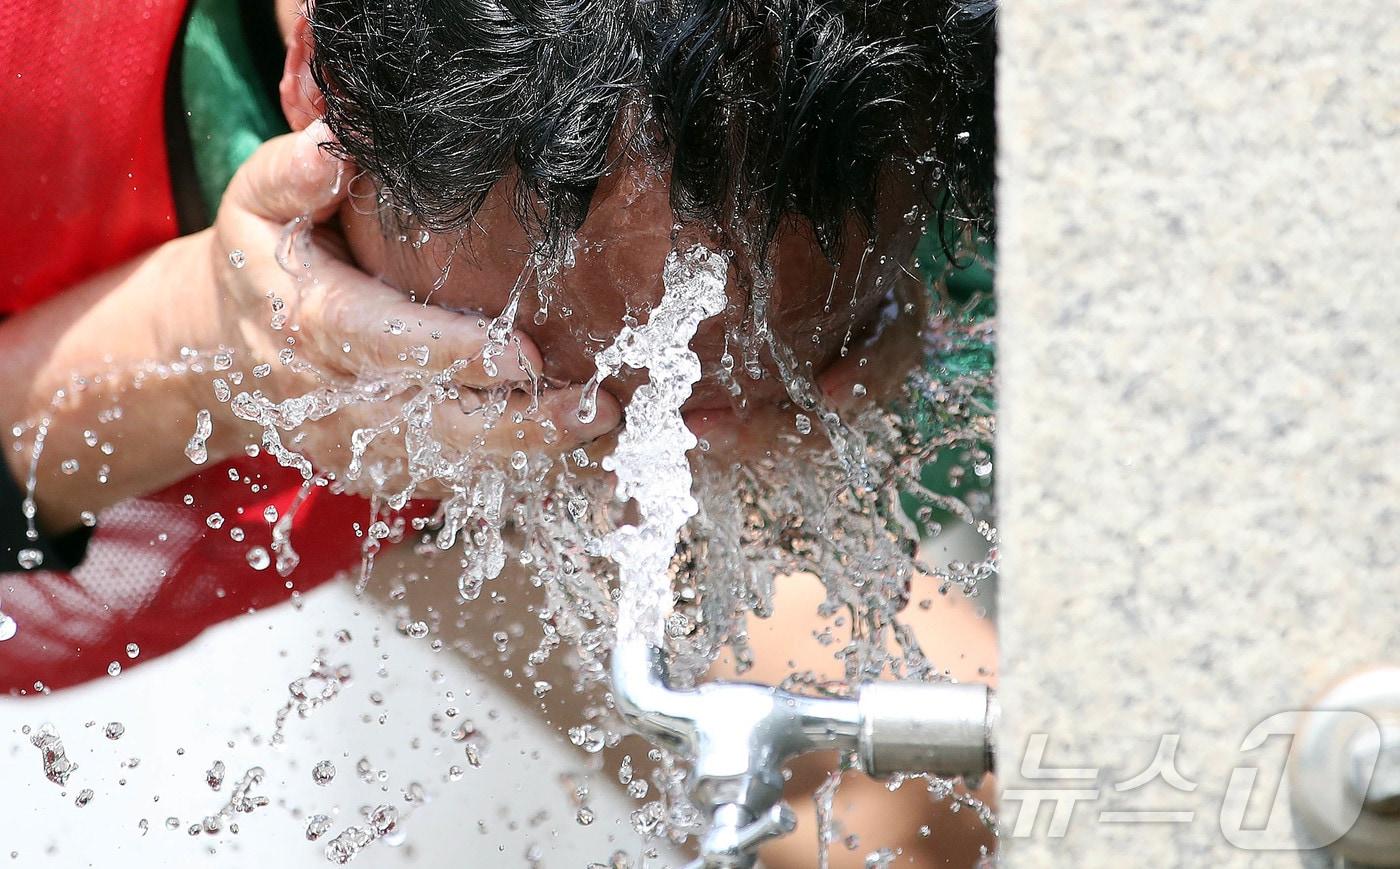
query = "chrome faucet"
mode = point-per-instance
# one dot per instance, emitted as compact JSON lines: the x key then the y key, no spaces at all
{"x":740,"y":735}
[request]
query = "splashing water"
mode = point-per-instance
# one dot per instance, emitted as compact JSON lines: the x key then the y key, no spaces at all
{"x":308,"y":693}
{"x":57,"y":766}
{"x":716,"y":535}
{"x":241,"y":800}
{"x":197,"y":450}
{"x":825,"y":798}
{"x":382,"y":821}
{"x":650,"y":460}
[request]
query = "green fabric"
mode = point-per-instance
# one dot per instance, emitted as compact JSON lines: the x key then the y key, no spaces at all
{"x":970,"y":301}
{"x":229,"y":114}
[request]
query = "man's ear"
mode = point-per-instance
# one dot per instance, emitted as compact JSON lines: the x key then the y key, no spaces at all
{"x":301,"y":99}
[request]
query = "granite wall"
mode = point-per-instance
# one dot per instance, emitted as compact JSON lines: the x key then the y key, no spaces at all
{"x":1200,"y":430}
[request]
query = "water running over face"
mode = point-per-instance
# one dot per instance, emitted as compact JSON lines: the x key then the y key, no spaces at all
{"x":720,"y":538}
{"x":650,"y":459}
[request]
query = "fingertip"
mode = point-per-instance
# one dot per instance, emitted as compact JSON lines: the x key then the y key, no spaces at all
{"x":609,"y":411}
{"x":320,"y":169}
{"x":318,"y":135}
{"x":564,"y":405}
{"x":290,"y":176}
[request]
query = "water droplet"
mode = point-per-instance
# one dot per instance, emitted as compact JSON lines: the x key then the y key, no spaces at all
{"x":215,"y":520}
{"x":677,"y":625}
{"x":585,"y":816}
{"x":84,"y":797}
{"x":57,"y":766}
{"x":804,"y":424}
{"x":588,"y":400}
{"x":237,"y":258}
{"x":384,"y":819}
{"x":317,"y":826}
{"x":29,"y":558}
{"x":258,"y":559}
{"x":417,"y":630}
{"x":323,"y":773}
{"x":114,"y":729}
{"x":8,"y":627}
{"x":197,"y":449}
{"x":588,"y":737}
{"x":648,"y":819}
{"x":132,"y":650}
{"x":114,"y":668}
{"x":69,"y":466}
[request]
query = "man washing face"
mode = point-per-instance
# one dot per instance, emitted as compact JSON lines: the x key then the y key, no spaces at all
{"x":812,"y":143}
{"x":809,"y":141}
{"x":790,"y":135}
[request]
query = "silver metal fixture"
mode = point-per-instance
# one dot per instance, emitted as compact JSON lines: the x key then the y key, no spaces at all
{"x":1378,"y":751}
{"x":740,"y":735}
{"x":1345,"y":771}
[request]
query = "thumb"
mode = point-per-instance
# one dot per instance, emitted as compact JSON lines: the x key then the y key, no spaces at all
{"x":290,"y":176}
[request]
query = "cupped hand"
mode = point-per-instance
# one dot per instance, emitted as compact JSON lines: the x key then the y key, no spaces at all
{"x":306,"y":329}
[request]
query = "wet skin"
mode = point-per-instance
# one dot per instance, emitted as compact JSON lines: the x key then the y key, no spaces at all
{"x":616,"y":272}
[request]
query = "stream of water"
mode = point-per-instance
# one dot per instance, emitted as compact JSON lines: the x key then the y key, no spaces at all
{"x":709,"y":537}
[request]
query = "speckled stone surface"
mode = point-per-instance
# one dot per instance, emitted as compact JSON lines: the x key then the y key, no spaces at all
{"x":1199,"y":452}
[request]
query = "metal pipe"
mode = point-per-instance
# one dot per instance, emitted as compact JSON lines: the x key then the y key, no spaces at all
{"x":940,"y":728}
{"x":739,"y":735}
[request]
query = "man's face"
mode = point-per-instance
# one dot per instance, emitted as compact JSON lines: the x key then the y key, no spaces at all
{"x":616,"y":272}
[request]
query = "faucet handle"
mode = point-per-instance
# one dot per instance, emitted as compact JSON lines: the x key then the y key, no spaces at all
{"x":730,"y":844}
{"x":778,"y":821}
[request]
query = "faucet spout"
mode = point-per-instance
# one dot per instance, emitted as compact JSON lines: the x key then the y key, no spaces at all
{"x":646,"y":701}
{"x":739,"y":735}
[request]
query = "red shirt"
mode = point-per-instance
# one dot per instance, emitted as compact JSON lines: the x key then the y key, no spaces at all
{"x":86,"y":180}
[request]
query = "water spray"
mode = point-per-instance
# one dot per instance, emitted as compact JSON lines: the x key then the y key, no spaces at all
{"x":739,"y":735}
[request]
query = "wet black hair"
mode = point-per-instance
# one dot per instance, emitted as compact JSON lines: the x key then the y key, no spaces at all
{"x":764,"y":111}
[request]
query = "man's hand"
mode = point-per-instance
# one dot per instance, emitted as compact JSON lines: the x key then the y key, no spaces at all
{"x":340,"y":324}
{"x":103,"y":363}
